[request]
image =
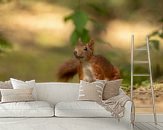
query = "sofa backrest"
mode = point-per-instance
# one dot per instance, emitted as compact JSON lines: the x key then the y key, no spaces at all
{"x":55,"y":92}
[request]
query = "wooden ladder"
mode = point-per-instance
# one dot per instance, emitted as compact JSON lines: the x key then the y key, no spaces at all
{"x":149,"y":74}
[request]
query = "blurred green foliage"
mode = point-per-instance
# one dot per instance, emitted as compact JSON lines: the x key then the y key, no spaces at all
{"x":158,"y":32}
{"x":102,"y":10}
{"x":4,"y":44}
{"x":80,"y":20}
{"x":97,"y":12}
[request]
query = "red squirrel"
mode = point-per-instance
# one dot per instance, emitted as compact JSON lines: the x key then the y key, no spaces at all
{"x":88,"y":66}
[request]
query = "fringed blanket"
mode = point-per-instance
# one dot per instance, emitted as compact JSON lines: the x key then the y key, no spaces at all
{"x":116,"y":105}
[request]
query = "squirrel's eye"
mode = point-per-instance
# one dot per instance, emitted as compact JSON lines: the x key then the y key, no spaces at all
{"x":85,"y":48}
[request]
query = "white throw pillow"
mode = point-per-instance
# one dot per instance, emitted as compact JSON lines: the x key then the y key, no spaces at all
{"x":18,"y":84}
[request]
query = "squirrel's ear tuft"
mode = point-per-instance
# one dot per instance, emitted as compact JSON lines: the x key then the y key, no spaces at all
{"x":91,"y":44}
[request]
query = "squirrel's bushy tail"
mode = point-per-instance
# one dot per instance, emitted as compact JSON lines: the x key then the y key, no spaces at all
{"x":68,"y":70}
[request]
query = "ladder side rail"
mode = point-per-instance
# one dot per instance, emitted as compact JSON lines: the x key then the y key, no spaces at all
{"x":132,"y":65}
{"x":151,"y":81}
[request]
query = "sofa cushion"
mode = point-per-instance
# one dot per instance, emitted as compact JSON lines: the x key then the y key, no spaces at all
{"x":26,"y":109}
{"x":80,"y":109}
{"x":16,"y":95}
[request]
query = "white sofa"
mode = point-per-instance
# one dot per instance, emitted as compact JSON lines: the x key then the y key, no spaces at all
{"x":63,"y":113}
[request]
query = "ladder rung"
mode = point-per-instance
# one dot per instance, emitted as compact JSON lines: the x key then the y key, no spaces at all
{"x":140,"y":49}
{"x":141,"y":62}
{"x":141,"y":75}
{"x":148,"y":91}
{"x":150,"y":106}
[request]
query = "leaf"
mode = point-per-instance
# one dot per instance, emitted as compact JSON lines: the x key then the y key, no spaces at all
{"x":69,"y":17}
{"x":80,"y":20}
{"x":160,"y":35}
{"x":74,"y":37}
{"x":85,"y":36}
{"x":153,"y":34}
{"x":155,"y":44}
{"x":4,"y":44}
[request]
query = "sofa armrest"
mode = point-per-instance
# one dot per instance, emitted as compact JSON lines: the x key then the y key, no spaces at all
{"x":128,"y":110}
{"x":127,"y":118}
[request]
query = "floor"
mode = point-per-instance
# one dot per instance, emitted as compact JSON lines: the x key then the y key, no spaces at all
{"x":63,"y":124}
{"x":74,"y":124}
{"x":148,"y":126}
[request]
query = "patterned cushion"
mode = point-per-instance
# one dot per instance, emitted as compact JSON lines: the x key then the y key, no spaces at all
{"x":91,"y":91}
{"x":5,"y":85}
{"x":19,"y":84}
